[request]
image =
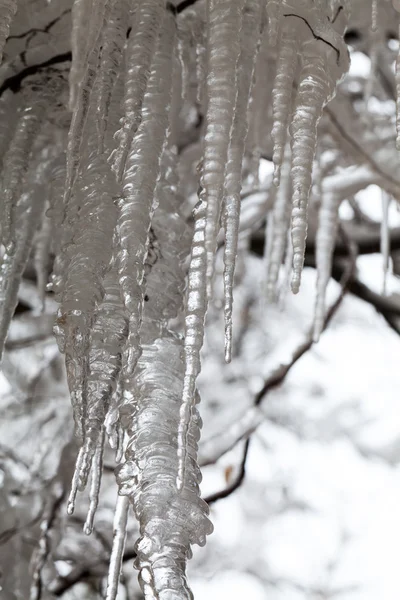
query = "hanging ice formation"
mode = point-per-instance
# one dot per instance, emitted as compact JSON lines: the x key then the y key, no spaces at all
{"x":103,"y":204}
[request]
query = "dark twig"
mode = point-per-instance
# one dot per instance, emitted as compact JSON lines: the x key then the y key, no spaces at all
{"x":212,"y":498}
{"x":276,"y":378}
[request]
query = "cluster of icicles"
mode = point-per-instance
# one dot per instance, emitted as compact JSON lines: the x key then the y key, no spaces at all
{"x":105,"y":200}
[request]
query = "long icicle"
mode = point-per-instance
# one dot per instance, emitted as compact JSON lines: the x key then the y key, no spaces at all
{"x":312,"y":95}
{"x":139,"y":183}
{"x":282,"y":93}
{"x":118,"y":546}
{"x":139,"y":57}
{"x":250,"y":33}
{"x":100,"y":13}
{"x":16,"y":161}
{"x":325,"y":244}
{"x":280,"y":217}
{"x":30,"y":207}
{"x":223,"y":54}
{"x":114,"y":37}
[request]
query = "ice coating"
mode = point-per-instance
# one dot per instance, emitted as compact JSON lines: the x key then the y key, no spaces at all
{"x":139,"y":182}
{"x":150,"y":414}
{"x":89,"y":254}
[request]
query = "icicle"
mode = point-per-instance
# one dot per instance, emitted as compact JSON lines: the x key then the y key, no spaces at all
{"x":41,"y":257}
{"x":8,"y":8}
{"x":99,"y":14}
{"x":196,"y":307}
{"x":186,"y":39}
{"x":118,"y":546}
{"x":201,"y":61}
{"x":75,"y":484}
{"x":249,"y":42}
{"x":385,"y":237}
{"x":313,"y":92}
{"x":282,"y":93}
{"x":61,"y":236}
{"x":97,"y":471}
{"x":325,"y":244}
{"x":140,"y":52}
{"x":107,"y":339}
{"x":16,"y":161}
{"x":149,"y":474}
{"x":274,"y":12}
{"x":112,"y":423}
{"x":28,"y":212}
{"x":374,"y":16}
{"x":9,"y":110}
{"x":287,"y":272}
{"x":150,"y":413}
{"x":374,"y":49}
{"x":140,"y":178}
{"x":259,"y":126}
{"x":81,"y":13}
{"x":280,"y":218}
{"x":114,"y":37}
{"x":223,"y":54}
{"x":89,"y":254}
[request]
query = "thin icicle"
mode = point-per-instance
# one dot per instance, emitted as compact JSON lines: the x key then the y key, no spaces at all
{"x":16,"y":161}
{"x":259,"y":127}
{"x":287,"y":272}
{"x":201,"y":60}
{"x":114,"y":37}
{"x":374,"y":16}
{"x":385,"y":238}
{"x":118,"y":546}
{"x":41,"y":256}
{"x":142,"y":42}
{"x":313,"y":93}
{"x":107,"y":340}
{"x":196,"y":306}
{"x":274,"y":14}
{"x":97,"y":471}
{"x":282,"y":92}
{"x":8,"y":8}
{"x":99,"y":14}
{"x":280,"y":218}
{"x":89,"y":254}
{"x":223,"y":53}
{"x":28,"y":213}
{"x":325,"y":244}
{"x":81,"y":14}
{"x":233,"y":177}
{"x":139,"y":183}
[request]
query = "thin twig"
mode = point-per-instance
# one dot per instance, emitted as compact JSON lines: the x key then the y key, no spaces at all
{"x":252,"y":421}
